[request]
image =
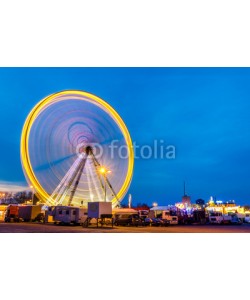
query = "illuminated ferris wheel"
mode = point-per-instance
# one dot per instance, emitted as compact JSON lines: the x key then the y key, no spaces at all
{"x":75,"y":149}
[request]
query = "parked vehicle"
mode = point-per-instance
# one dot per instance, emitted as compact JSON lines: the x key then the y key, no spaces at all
{"x":241,"y":217}
{"x":184,"y":217}
{"x":164,"y":213}
{"x":28,"y":213}
{"x":247,"y":218}
{"x":219,"y":218}
{"x":170,"y":216}
{"x":147,"y":221}
{"x":235,"y":219}
{"x":167,"y":222}
{"x":66,"y":215}
{"x":200,"y":216}
{"x":143,"y":213}
{"x":39,"y":218}
{"x":128,"y":220}
{"x":11,"y":213}
{"x":157,"y":222}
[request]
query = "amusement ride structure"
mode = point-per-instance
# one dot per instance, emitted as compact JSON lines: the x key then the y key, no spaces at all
{"x":76,"y":149}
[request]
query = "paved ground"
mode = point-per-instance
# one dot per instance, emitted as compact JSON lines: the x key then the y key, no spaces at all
{"x":51,"y":228}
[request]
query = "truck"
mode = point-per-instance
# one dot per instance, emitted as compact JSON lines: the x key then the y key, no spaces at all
{"x":11,"y":213}
{"x":219,"y":218}
{"x":66,"y":215}
{"x":170,"y":216}
{"x":29,"y":213}
{"x":164,"y":213}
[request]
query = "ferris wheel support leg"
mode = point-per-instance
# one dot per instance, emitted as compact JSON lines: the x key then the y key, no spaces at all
{"x":80,"y":171}
{"x":71,"y":180}
{"x":97,"y":164}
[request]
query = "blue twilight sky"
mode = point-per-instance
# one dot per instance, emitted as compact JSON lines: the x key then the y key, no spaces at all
{"x":203,"y":112}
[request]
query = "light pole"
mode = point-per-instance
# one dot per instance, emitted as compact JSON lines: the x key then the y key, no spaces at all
{"x":104,"y":172}
{"x":32,"y":194}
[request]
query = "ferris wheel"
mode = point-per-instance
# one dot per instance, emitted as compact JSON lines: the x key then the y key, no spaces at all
{"x":76,"y":149}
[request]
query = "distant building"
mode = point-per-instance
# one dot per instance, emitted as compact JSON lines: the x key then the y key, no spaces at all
{"x":186,"y":200}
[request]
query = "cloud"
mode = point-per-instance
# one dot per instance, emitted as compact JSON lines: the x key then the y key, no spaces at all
{"x":13,"y":186}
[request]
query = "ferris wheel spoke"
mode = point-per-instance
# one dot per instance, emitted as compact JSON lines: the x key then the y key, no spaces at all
{"x":72,"y":178}
{"x":88,"y":175}
{"x":94,"y":182}
{"x":65,"y":186}
{"x":111,"y":188}
{"x":109,"y":141}
{"x":53,"y":163}
{"x":64,"y":182}
{"x":97,"y":164}
{"x":78,"y":174}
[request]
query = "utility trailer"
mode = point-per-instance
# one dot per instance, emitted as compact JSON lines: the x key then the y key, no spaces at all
{"x":99,"y":213}
{"x":66,"y":215}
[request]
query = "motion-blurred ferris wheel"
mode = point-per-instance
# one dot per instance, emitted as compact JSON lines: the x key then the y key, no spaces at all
{"x":75,"y":149}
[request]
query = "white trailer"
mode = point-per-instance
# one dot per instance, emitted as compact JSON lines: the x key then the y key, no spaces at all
{"x":99,"y":213}
{"x":97,"y":209}
{"x":67,"y":215}
{"x":219,"y":218}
